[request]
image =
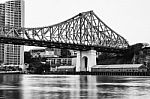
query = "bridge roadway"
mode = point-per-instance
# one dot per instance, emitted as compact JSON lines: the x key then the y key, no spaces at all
{"x":84,"y":31}
{"x":20,"y":41}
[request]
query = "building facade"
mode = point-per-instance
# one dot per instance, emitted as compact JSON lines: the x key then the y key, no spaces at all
{"x":45,"y":52}
{"x":2,"y":23}
{"x":61,"y":61}
{"x":12,"y":16}
{"x":2,"y":14}
{"x":120,"y":68}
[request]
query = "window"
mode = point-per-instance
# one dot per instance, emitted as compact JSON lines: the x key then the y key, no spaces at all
{"x":69,"y":61}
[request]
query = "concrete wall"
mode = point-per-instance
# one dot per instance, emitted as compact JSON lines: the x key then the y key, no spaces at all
{"x":81,"y":57}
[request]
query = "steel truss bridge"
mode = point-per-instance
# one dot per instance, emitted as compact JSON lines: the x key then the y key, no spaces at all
{"x":84,"y":31}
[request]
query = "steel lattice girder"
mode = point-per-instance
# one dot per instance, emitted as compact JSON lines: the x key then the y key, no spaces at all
{"x":84,"y":31}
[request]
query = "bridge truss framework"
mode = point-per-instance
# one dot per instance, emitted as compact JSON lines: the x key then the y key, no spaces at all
{"x":84,"y":31}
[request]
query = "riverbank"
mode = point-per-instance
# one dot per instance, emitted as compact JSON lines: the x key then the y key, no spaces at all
{"x":101,"y":73}
{"x":11,"y":72}
{"x":83,"y":73}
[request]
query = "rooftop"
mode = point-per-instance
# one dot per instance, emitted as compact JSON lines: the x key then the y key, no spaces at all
{"x":119,"y":66}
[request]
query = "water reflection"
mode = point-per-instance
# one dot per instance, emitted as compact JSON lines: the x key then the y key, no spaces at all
{"x":73,"y":87}
{"x":123,"y":87}
{"x":58,"y":87}
{"x":9,"y":87}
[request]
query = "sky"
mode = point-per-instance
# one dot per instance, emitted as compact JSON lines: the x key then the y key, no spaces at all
{"x":129,"y":18}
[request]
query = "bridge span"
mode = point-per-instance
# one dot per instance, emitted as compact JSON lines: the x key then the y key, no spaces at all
{"x":84,"y":32}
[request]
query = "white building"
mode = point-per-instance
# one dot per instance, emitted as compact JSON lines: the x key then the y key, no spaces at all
{"x":12,"y":15}
{"x":45,"y":52}
{"x":61,"y":61}
{"x":2,"y":23}
{"x":120,"y":68}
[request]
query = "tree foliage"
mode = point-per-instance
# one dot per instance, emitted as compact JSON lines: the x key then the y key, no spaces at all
{"x":65,"y":53}
{"x":126,"y":58}
{"x":27,"y":57}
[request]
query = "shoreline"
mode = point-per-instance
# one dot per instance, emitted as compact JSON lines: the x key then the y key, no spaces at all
{"x":101,"y":73}
{"x":83,"y":73}
{"x":11,"y":72}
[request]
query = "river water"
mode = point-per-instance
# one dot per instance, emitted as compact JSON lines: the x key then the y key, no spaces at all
{"x":73,"y":87}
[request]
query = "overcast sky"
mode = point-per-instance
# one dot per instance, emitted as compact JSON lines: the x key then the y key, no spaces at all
{"x":129,"y":18}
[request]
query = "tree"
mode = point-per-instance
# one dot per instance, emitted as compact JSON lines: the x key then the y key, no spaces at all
{"x":1,"y":62}
{"x":132,"y":51}
{"x":125,"y":58}
{"x":46,"y":67}
{"x":65,"y":53}
{"x":27,"y":57}
{"x":36,"y":67}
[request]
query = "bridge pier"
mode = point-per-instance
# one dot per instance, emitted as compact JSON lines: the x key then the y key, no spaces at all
{"x":85,"y":60}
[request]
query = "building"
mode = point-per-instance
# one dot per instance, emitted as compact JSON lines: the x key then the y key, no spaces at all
{"x":12,"y":15}
{"x":45,"y":52}
{"x":61,"y":61}
{"x":120,"y":68}
{"x":73,"y":53}
{"x":61,"y":64}
{"x":2,"y":14}
{"x":2,"y":23}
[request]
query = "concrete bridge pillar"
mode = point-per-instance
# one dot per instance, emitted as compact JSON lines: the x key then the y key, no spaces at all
{"x":85,"y":60}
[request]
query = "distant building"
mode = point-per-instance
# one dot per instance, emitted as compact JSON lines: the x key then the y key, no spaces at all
{"x":73,"y":52}
{"x":2,"y":23}
{"x":45,"y":52}
{"x":12,"y":15}
{"x":120,"y":68}
{"x":61,"y":61}
{"x":61,"y":64}
{"x":2,"y":14}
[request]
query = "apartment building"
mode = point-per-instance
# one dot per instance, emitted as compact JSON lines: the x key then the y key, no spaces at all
{"x":2,"y":23}
{"x":12,"y":15}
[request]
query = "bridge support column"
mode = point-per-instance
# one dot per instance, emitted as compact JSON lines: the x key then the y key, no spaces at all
{"x":85,"y":60}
